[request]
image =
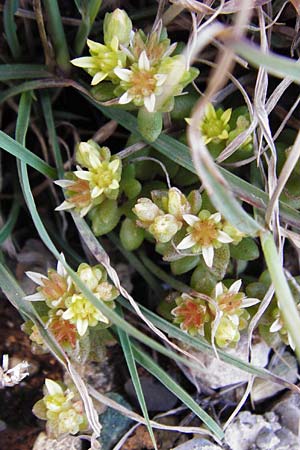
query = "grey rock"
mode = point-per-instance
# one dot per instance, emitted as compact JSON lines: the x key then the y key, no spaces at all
{"x":157,"y":397}
{"x":198,"y":444}
{"x":44,"y":443}
{"x":288,"y":410}
{"x":216,"y":374}
{"x":114,"y":424}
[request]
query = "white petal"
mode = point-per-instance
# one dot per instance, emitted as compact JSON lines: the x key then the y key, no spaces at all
{"x":190,"y":219}
{"x":234,"y":319}
{"x":247,"y":302}
{"x":36,"y":277}
{"x":60,"y":268}
{"x":187,"y":242}
{"x":208,"y":255}
{"x":85,"y":210}
{"x":82,"y":326}
{"x":235,"y":287}
{"x":114,"y":165}
{"x":291,"y":342}
{"x":123,"y":74}
{"x":149,"y":102}
{"x":83,"y":174}
{"x":125,"y":98}
{"x":68,"y":314}
{"x":37,"y":297}
{"x":144,"y":63}
{"x":53,"y":387}
{"x":160,"y":79}
{"x":64,"y":183}
{"x":276,"y":326}
{"x":94,"y":160}
{"x":224,"y":238}
{"x":170,"y":50}
{"x":219,"y":289}
{"x":114,"y":184}
{"x":216,"y":217}
{"x":86,"y":62}
{"x":64,"y":205}
{"x":100,"y":76}
{"x":96,"y":191}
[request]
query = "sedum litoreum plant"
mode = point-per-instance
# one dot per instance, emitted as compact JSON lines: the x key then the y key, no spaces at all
{"x":136,"y":69}
{"x":67,"y":313}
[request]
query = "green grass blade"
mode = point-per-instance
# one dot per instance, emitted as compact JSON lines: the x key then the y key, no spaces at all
{"x":180,"y":154}
{"x":57,"y":35}
{"x":49,"y":120}
{"x":128,"y":353}
{"x":277,"y":65}
{"x":202,"y":345}
{"x":284,"y":296}
{"x":89,"y":13}
{"x":23,"y":71}
{"x":10,"y":28}
{"x":8,"y":227}
{"x":14,"y":293}
{"x":25,"y":155}
{"x":35,"y":84}
{"x":148,"y":363}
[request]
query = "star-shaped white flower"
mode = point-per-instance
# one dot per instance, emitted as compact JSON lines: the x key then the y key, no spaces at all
{"x":206,"y":234}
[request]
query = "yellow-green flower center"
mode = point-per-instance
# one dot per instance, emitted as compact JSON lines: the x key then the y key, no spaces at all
{"x":142,"y":83}
{"x":204,"y":232}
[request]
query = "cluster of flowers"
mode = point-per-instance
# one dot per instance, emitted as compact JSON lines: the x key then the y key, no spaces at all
{"x":88,"y":188}
{"x":171,"y":216}
{"x":69,"y":313}
{"x":134,"y":68}
{"x":219,"y":317}
{"x":62,"y":408}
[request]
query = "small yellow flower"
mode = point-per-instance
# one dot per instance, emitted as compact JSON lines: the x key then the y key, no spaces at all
{"x":204,"y":235}
{"x":78,"y":195}
{"x":62,"y":410}
{"x":103,"y":178}
{"x":102,"y":62}
{"x":82,"y":313}
{"x":214,"y":126}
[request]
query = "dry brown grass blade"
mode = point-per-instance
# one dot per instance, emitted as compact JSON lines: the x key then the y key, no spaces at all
{"x":286,"y":171}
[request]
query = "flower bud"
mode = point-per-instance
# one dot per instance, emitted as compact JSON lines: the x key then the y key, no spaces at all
{"x":165,"y":227}
{"x":146,"y":210}
{"x":117,"y":25}
{"x":91,"y":276}
{"x":178,"y":203}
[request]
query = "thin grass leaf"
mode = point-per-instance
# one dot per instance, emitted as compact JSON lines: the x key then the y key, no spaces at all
{"x":9,"y":225}
{"x":89,"y":13}
{"x":19,"y":151}
{"x":277,"y":65}
{"x":284,"y":296}
{"x":23,"y":71}
{"x":128,"y":353}
{"x":10,"y":28}
{"x":202,"y":345}
{"x":148,"y":363}
{"x":49,"y":120}
{"x":180,"y":154}
{"x":57,"y":35}
{"x":35,"y":84}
